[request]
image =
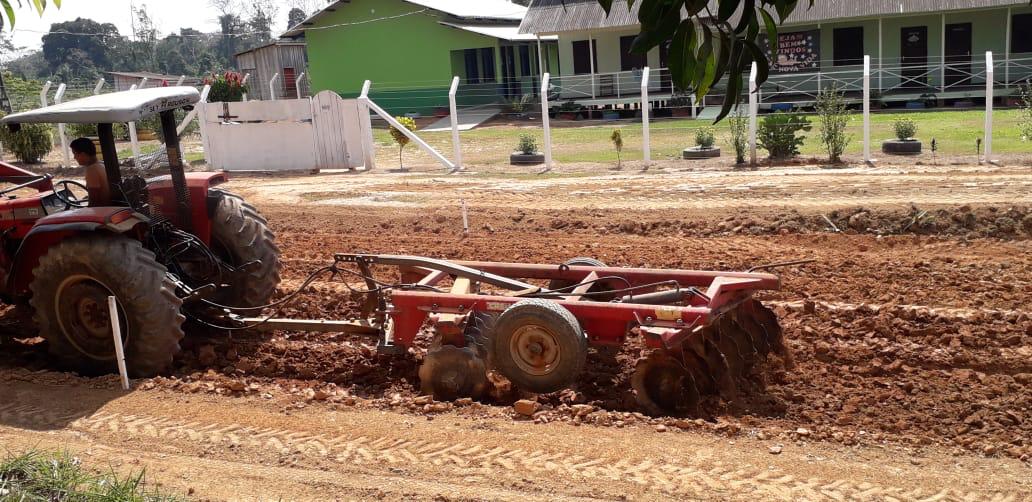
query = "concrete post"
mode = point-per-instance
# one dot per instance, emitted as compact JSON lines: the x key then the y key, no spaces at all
{"x":272,"y":86}
{"x":61,"y":128}
{"x":180,"y":80}
{"x":453,"y":110}
{"x":544,"y":122}
{"x":753,"y":110}
{"x":43,"y":94}
{"x":867,"y":109}
{"x":646,"y":148}
{"x":989,"y":74}
{"x":98,"y":87}
{"x":368,"y":148}
{"x":133,"y":137}
{"x":297,"y":84}
{"x":243,"y":82}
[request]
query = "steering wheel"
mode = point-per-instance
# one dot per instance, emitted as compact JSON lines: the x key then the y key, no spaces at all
{"x":69,"y":197}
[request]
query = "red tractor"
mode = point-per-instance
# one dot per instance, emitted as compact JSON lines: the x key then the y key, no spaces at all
{"x":169,"y":248}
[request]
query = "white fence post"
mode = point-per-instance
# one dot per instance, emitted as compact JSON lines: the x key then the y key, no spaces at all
{"x":243,"y":82}
{"x":116,"y":333}
{"x":193,"y":113}
{"x":368,"y":148}
{"x":453,"y":109}
{"x":98,"y":87}
{"x":544,"y":121}
{"x":61,"y":127}
{"x":753,"y":110}
{"x":646,"y":147}
{"x":272,"y":86}
{"x":867,"y":109}
{"x":297,"y":84}
{"x":179,"y":81}
{"x":133,"y":138}
{"x":43,"y":94}
{"x":143,"y":83}
{"x":695,"y":106}
{"x":989,"y":73}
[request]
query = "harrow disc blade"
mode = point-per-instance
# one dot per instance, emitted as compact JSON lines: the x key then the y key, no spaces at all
{"x":449,"y":372}
{"x":662,"y":386}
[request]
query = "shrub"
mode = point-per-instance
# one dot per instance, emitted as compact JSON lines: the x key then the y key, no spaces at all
{"x":227,"y":86}
{"x":617,"y":140}
{"x":834,"y":114}
{"x":680,"y":101}
{"x":90,"y":130}
{"x":704,"y":138}
{"x":778,"y":133}
{"x":905,"y":128}
{"x":1025,"y":120}
{"x":739,"y":126}
{"x":400,"y":138}
{"x":30,"y":144}
{"x":519,"y":104}
{"x":527,"y":144}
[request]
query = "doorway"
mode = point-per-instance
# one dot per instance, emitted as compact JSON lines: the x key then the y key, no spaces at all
{"x":914,"y":57}
{"x":510,"y":84}
{"x":958,"y":54}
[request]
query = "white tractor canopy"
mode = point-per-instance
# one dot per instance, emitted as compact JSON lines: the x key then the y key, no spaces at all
{"x":124,"y":106}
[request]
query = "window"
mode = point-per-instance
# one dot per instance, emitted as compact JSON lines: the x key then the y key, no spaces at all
{"x":472,"y":70}
{"x":848,"y":46}
{"x":582,"y":60}
{"x":524,"y":60}
{"x":1021,"y":26}
{"x":631,"y":60}
{"x":487,"y":64}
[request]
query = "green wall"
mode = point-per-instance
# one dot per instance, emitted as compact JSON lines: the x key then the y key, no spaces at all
{"x":411,"y":54}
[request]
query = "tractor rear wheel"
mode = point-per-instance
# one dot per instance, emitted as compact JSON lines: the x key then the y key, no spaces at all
{"x":69,"y":295}
{"x":239,"y":235}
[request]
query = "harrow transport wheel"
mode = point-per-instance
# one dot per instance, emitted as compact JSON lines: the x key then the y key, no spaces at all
{"x":538,"y":345}
{"x":597,"y":287}
{"x":663,"y":386}
{"x":239,"y":234}
{"x":69,"y":295}
{"x":449,"y":372}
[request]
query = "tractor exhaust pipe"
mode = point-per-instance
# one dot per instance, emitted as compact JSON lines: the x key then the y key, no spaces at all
{"x":175,"y":168}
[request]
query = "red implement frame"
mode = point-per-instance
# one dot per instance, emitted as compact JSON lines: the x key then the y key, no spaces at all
{"x":668,"y":324}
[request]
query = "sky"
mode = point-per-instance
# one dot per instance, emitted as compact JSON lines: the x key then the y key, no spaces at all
{"x":168,"y":16}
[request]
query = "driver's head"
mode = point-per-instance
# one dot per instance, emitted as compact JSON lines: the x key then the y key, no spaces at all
{"x":85,"y":151}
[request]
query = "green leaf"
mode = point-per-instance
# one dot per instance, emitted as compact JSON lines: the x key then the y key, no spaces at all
{"x":772,"y":30}
{"x":706,"y":61}
{"x":40,"y":4}
{"x":682,"y":55}
{"x":734,"y":80}
{"x":762,"y":66}
{"x":727,"y":9}
{"x":747,"y":19}
{"x":10,"y":12}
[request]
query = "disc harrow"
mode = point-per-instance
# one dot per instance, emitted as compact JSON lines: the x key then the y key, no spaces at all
{"x":703,"y":331}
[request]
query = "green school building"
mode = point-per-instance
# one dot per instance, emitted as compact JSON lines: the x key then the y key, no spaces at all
{"x":411,"y":49}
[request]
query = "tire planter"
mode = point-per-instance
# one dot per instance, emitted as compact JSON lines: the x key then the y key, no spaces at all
{"x":901,"y":147}
{"x":526,"y":159}
{"x":696,"y":152}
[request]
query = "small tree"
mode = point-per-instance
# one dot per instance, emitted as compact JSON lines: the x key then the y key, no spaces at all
{"x":739,"y":126}
{"x":905,"y":128}
{"x":527,"y":144}
{"x":834,"y":115}
{"x":225,"y":87}
{"x":30,"y":144}
{"x":704,"y":138}
{"x":778,"y":133}
{"x":400,"y":138}
{"x":617,"y":140}
{"x":1025,"y":120}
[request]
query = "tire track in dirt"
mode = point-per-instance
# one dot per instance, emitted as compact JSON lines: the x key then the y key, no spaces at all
{"x":485,"y":460}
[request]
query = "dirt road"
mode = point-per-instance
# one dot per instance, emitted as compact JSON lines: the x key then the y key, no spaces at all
{"x":912,"y":334}
{"x":252,"y":449}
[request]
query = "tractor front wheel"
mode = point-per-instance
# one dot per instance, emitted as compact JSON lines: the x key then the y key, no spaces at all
{"x":239,"y":235}
{"x":69,"y":295}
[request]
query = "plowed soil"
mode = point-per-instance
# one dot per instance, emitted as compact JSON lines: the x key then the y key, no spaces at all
{"x":912,"y":331}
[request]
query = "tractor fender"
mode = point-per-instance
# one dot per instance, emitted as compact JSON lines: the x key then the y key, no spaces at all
{"x":53,"y":229}
{"x":202,"y":204}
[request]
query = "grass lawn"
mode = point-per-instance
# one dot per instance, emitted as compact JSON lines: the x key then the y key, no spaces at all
{"x":45,"y":476}
{"x":955,"y":132}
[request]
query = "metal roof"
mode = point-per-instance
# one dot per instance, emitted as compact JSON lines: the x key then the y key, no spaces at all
{"x":510,"y":33}
{"x":124,"y":106}
{"x":468,"y":10}
{"x":554,"y":16}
